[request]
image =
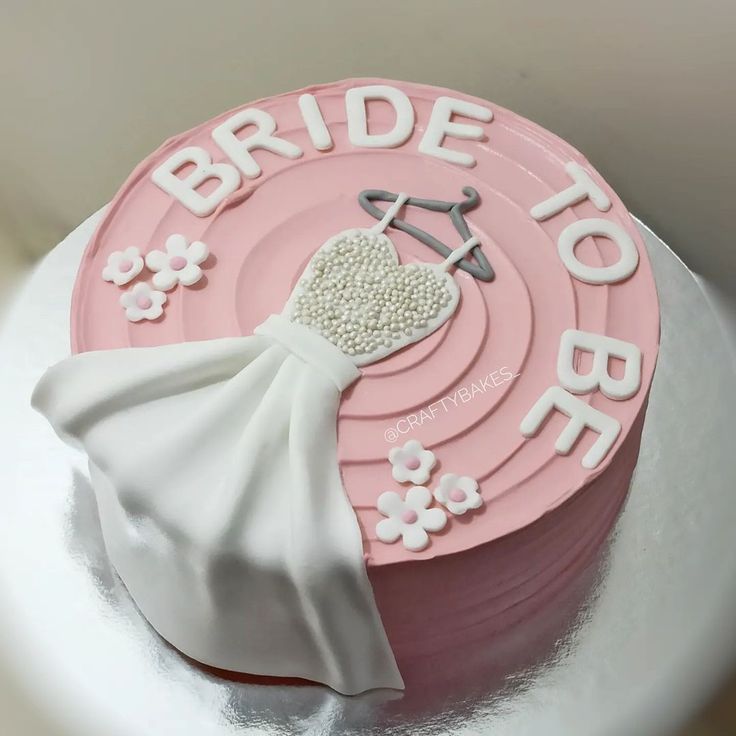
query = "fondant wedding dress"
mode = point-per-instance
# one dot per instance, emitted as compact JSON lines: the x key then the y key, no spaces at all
{"x":215,"y":468}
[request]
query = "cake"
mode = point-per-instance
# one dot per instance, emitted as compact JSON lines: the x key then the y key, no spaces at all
{"x":361,"y":371}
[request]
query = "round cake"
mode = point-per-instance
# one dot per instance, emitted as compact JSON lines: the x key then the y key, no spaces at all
{"x":494,"y":299}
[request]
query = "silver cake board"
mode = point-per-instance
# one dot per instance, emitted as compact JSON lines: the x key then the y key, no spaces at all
{"x":653,"y":639}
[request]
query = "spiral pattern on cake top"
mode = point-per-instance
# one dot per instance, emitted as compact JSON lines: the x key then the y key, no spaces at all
{"x":463,"y":390}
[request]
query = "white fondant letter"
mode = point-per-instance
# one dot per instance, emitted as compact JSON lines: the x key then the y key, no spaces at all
{"x":581,"y":416}
{"x":240,"y":150}
{"x":602,"y":347}
{"x":355,"y":99}
{"x":441,"y":125}
{"x":583,"y":188}
{"x":316,"y":127}
{"x":184,"y":189}
{"x":574,"y":233}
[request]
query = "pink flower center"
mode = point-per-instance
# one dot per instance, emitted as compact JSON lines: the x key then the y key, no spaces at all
{"x":458,"y":495}
{"x":144,"y":302}
{"x":412,"y":463}
{"x":177,"y":263}
{"x":125,"y":265}
{"x":409,"y":516}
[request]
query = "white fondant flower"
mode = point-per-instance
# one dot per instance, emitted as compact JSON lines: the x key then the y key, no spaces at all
{"x":143,"y":302}
{"x":458,"y":493}
{"x":123,"y":266}
{"x":179,"y":264}
{"x":411,"y":463}
{"x":409,"y":518}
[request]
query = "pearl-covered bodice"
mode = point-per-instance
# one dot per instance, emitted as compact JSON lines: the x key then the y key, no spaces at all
{"x":356,"y":295}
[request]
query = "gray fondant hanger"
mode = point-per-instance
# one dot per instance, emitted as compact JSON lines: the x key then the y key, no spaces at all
{"x":481,"y":269}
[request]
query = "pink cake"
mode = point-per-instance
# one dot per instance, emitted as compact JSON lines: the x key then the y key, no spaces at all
{"x":523,"y":410}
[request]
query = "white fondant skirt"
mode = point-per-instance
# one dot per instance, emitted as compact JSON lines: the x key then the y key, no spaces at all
{"x":215,"y":467}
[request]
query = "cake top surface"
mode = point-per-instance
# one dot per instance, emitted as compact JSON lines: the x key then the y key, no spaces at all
{"x":462,"y":391}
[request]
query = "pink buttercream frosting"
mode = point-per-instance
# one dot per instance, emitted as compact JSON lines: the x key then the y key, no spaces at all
{"x":500,"y":348}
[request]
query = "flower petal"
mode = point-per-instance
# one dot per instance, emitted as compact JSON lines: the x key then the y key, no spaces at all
{"x":154,"y":311}
{"x":157,"y":260}
{"x":419,"y":476}
{"x":418,"y":498}
{"x":469,"y":485}
{"x":127,"y":299}
{"x":138,"y":264}
{"x":190,"y":274}
{"x":448,"y":481}
{"x":400,"y":473}
{"x":475,"y":500}
{"x":427,"y":459}
{"x":457,"y":508}
{"x":197,"y":252}
{"x":414,"y":537}
{"x":413,"y":447}
{"x":390,"y":504}
{"x":176,"y":245}
{"x":433,"y":519}
{"x":388,"y":530}
{"x":395,"y":454}
{"x":440,"y":494}
{"x":158,"y":298}
{"x":165,"y":279}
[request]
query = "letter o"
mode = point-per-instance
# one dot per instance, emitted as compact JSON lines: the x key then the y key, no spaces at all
{"x":573,"y":234}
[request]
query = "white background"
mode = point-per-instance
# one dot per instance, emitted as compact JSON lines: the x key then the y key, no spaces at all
{"x":644,"y":89}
